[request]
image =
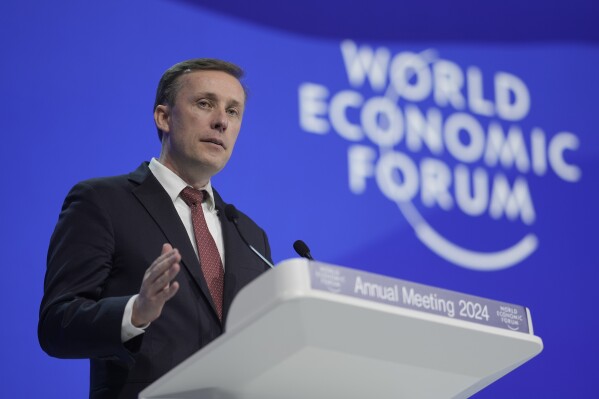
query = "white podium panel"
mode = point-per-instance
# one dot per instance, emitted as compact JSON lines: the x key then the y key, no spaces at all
{"x":310,"y":330}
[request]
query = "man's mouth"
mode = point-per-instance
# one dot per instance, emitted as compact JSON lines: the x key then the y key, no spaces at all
{"x":214,"y":141}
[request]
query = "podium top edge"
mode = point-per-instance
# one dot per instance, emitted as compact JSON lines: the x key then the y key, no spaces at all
{"x":372,"y":287}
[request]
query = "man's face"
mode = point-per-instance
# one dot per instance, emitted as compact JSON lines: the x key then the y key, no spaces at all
{"x":202,"y":124}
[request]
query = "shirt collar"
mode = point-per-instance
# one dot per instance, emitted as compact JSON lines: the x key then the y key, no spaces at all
{"x":173,"y":184}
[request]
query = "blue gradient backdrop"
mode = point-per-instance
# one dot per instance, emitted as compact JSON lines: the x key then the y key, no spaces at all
{"x":78,"y":82}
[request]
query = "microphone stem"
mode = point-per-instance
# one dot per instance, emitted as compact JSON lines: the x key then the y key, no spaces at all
{"x":262,"y":257}
{"x":251,"y":247}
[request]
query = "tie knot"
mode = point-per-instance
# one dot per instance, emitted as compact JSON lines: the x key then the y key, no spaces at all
{"x":191,"y":196}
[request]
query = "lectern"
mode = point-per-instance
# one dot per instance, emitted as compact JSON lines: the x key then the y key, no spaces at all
{"x":310,"y":330}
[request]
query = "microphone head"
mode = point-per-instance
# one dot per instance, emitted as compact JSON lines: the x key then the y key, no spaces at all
{"x":302,"y":249}
{"x":231,"y":213}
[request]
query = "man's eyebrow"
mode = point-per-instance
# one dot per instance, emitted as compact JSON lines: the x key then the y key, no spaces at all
{"x":209,"y":95}
{"x":235,"y":103}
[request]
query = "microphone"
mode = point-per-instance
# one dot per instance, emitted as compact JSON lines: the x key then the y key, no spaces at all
{"x":302,"y":249}
{"x":232,"y":216}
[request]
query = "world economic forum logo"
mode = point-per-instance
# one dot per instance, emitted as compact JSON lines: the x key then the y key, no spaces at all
{"x":427,"y":129}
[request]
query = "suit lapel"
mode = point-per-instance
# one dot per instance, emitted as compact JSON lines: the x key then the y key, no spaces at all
{"x":160,"y":207}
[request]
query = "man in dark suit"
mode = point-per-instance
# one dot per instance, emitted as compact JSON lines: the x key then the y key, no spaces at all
{"x":128,"y":283}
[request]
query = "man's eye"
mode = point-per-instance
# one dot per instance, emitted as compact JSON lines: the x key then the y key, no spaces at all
{"x":233,"y":111}
{"x":204,"y":103}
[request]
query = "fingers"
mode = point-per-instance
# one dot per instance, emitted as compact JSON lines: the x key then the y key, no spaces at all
{"x":166,"y":247}
{"x":168,"y":258}
{"x":163,"y":282}
{"x":162,"y":272}
{"x":168,"y":254}
{"x":170,"y":291}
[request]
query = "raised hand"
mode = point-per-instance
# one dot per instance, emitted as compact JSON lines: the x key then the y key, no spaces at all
{"x":157,"y":287}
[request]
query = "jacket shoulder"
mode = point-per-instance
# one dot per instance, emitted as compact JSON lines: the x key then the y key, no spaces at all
{"x":117,"y":182}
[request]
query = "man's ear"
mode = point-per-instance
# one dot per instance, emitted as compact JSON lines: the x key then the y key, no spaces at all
{"x":162,"y":118}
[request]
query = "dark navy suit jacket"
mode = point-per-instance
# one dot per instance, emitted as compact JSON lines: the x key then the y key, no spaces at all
{"x":109,"y":232}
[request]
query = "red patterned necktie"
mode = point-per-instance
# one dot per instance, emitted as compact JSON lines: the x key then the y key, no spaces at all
{"x":210,"y":260}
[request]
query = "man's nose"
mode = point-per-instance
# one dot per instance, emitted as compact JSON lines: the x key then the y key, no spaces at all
{"x":220,"y":121}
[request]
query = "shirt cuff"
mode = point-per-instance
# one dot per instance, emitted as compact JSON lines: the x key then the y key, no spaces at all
{"x":128,"y":330}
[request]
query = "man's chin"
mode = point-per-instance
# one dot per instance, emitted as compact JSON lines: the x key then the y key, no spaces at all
{"x":210,"y":166}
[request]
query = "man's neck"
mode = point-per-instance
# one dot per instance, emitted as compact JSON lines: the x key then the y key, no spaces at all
{"x":193,"y":179}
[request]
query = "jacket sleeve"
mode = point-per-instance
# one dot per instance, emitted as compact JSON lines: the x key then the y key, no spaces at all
{"x":76,"y":320}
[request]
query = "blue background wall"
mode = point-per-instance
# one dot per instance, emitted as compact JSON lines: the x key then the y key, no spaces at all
{"x":78,"y":81}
